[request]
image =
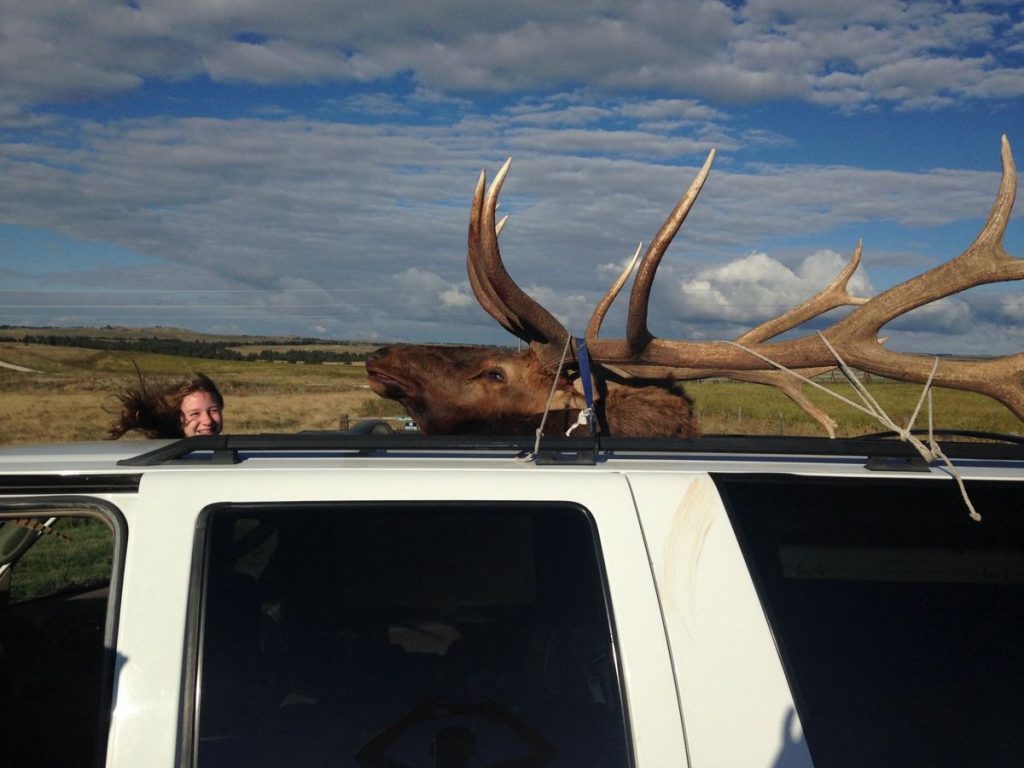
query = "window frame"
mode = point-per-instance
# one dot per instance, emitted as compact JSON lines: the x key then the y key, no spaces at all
{"x":109,"y":513}
{"x":192,"y":663}
{"x":751,"y":541}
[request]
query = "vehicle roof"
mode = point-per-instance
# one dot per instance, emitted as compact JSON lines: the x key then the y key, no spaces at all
{"x":761,"y":455}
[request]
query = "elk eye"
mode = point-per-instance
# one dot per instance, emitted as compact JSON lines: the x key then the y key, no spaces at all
{"x":494,"y":374}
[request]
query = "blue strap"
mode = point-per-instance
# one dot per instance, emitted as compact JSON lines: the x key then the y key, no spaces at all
{"x":583,"y":356}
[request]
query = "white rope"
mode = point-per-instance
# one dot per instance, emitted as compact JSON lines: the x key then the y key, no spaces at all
{"x":551,"y":398}
{"x":804,"y":379}
{"x":582,"y":420}
{"x":930,"y":453}
{"x":975,"y":515}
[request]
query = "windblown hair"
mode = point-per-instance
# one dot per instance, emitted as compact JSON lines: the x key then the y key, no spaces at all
{"x":156,"y":413}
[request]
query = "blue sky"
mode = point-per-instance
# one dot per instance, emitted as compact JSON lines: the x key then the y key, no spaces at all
{"x":249,"y":166}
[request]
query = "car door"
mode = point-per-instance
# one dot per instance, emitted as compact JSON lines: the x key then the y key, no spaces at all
{"x":370,"y":616}
{"x":736,"y":702}
{"x":60,"y":561}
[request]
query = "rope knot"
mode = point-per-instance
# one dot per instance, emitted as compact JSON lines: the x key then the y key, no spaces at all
{"x":930,"y":452}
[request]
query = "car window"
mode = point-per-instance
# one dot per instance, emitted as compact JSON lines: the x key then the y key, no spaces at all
{"x":378,"y":635}
{"x":56,"y":635}
{"x":897,"y":617}
{"x":67,"y":553}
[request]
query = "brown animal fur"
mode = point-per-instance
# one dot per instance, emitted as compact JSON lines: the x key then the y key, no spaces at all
{"x":479,"y":390}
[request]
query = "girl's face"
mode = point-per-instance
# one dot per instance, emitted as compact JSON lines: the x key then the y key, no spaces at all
{"x":200,"y":415}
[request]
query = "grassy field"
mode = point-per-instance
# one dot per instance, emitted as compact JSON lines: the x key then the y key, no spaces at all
{"x":81,"y":558}
{"x":67,"y":397}
{"x":738,"y":408}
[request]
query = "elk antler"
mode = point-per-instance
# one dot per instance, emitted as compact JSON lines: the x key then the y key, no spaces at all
{"x":637,"y":335}
{"x":834,"y":295}
{"x":855,"y":336}
{"x":496,"y":291}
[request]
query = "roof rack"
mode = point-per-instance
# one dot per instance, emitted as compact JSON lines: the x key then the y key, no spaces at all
{"x":878,"y":451}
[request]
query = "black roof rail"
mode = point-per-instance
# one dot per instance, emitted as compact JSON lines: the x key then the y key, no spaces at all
{"x":970,"y":434}
{"x":883,"y":453}
{"x":224,"y":449}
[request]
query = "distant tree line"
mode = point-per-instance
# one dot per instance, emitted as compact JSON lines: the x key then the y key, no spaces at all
{"x":209,"y":350}
{"x":307,"y":356}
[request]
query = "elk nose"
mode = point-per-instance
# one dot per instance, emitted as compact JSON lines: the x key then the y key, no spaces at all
{"x":377,"y":354}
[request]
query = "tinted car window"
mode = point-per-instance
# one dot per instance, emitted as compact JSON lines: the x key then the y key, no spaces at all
{"x":898,"y":618}
{"x":378,"y":635}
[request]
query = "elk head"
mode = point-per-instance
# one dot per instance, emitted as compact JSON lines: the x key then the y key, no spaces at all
{"x":450,"y":390}
{"x":466,"y":390}
{"x":457,"y":389}
{"x":479,"y":390}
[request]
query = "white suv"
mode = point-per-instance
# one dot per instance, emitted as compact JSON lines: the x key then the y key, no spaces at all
{"x":387,"y":600}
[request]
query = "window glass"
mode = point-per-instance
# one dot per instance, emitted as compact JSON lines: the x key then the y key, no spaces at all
{"x":382,"y":635}
{"x":54,"y":667}
{"x":898,"y":618}
{"x":74,"y":553}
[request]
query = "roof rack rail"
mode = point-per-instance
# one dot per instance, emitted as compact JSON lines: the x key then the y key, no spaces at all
{"x":971,"y":434}
{"x":224,"y":449}
{"x":881,"y":453}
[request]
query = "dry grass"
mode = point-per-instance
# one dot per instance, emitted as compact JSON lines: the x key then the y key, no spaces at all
{"x":737,"y":408}
{"x":355,"y":348}
{"x":68,"y":399}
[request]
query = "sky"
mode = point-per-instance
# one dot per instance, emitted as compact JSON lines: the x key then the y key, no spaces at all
{"x":306,"y":168}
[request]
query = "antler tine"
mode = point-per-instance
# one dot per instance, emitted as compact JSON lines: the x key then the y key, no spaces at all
{"x":855,"y":336}
{"x":833,"y":295}
{"x":597,"y":318}
{"x":792,"y":387}
{"x":984,"y":261}
{"x":503,"y":299}
{"x":637,"y":334}
{"x":485,"y":295}
{"x":991,"y":234}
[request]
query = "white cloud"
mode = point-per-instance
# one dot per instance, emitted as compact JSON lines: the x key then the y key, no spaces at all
{"x":274,"y":62}
{"x":365,"y":225}
{"x":455,"y":297}
{"x":916,"y":53}
{"x":756,"y":287}
{"x":349,"y":211}
{"x":424,"y":294}
{"x":681,"y":110}
{"x":1011,"y":307}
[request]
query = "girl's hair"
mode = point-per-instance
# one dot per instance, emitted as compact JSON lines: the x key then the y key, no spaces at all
{"x":157,"y":413}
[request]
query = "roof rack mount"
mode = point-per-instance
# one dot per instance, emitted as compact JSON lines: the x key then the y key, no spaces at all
{"x":887,"y":453}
